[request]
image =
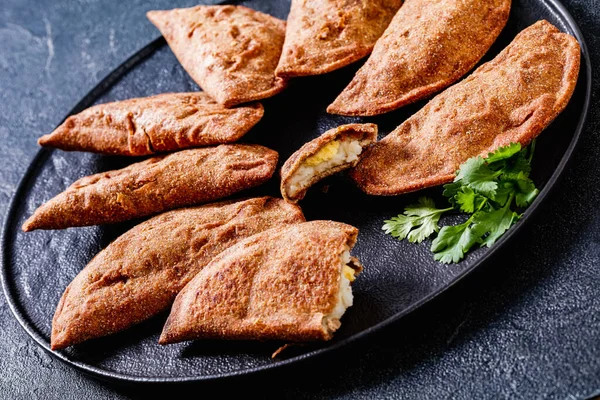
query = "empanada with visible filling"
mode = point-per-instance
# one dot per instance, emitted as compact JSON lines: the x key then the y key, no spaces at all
{"x":323,"y":35}
{"x":139,"y":274}
{"x":509,"y":99}
{"x":230,"y":51}
{"x":429,"y":45}
{"x":290,"y":283}
{"x":155,"y":185}
{"x":166,"y":122}
{"x":335,"y":150}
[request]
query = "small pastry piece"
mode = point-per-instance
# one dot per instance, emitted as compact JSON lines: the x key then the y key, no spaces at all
{"x":509,"y":99}
{"x":230,"y":51}
{"x":429,"y":45}
{"x":166,"y":122}
{"x":290,"y":283}
{"x":335,"y":150}
{"x":139,"y":274}
{"x":323,"y":35}
{"x":158,"y":184}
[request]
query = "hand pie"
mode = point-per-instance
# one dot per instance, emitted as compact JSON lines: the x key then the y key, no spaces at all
{"x":166,"y":122}
{"x":323,"y":35}
{"x":509,"y":99}
{"x":158,"y":184}
{"x":290,"y":283}
{"x":335,"y":150}
{"x":429,"y":45}
{"x":139,"y":274}
{"x":230,"y":51}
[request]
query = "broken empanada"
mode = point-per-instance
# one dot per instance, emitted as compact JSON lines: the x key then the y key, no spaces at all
{"x":139,"y":274}
{"x":290,"y":283}
{"x":335,"y":150}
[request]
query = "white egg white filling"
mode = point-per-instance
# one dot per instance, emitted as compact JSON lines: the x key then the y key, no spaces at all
{"x":333,"y":154}
{"x":344,"y":297}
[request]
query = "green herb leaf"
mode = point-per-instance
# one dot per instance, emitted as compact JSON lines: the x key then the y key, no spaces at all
{"x":450,"y":191}
{"x":518,"y":165}
{"x":519,"y":185}
{"x":477,"y":175}
{"x":527,"y":192}
{"x":453,"y":242}
{"x":399,"y":227}
{"x":429,"y":225}
{"x":425,"y":206}
{"x":467,"y":200}
{"x":503,"y":153}
{"x":487,"y":189}
{"x":423,"y":216}
{"x":505,"y":189}
{"x":494,"y":223}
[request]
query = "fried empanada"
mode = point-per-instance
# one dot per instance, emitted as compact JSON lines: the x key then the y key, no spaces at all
{"x":230,"y":51}
{"x":290,"y":283}
{"x":335,"y":150}
{"x":166,"y":122}
{"x":139,"y":274}
{"x":155,"y":185}
{"x":429,"y":45}
{"x":509,"y":99}
{"x":323,"y":35}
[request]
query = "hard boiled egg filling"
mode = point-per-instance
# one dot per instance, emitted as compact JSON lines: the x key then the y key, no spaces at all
{"x":351,"y":267}
{"x":333,"y":154}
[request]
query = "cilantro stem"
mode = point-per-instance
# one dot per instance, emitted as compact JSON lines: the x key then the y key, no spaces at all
{"x":531,"y":151}
{"x":510,"y":200}
{"x":483,"y":203}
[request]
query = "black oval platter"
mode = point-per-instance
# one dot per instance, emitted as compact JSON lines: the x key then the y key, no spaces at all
{"x":398,"y":278}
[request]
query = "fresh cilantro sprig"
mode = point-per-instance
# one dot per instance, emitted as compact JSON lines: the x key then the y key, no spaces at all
{"x":488,"y":189}
{"x":422,"y":216}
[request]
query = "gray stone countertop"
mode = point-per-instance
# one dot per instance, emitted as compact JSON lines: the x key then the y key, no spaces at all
{"x":525,"y":326}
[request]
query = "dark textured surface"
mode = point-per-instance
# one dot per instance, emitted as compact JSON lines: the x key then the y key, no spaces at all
{"x":398,"y":276}
{"x":525,"y":326}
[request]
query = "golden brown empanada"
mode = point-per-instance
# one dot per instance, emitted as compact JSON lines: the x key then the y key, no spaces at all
{"x":429,"y":45}
{"x":335,"y":150}
{"x":509,"y":99}
{"x":323,"y":35}
{"x":230,"y":51}
{"x":290,"y":283}
{"x":139,"y":274}
{"x":158,"y":184}
{"x":166,"y":122}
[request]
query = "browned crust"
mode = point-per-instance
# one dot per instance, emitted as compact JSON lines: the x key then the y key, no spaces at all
{"x":509,"y":99}
{"x":139,"y":274}
{"x":322,"y":36}
{"x":366,"y":133}
{"x":278,"y":284}
{"x":165,"y":122}
{"x":158,"y":184}
{"x":230,"y":51}
{"x":427,"y":46}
